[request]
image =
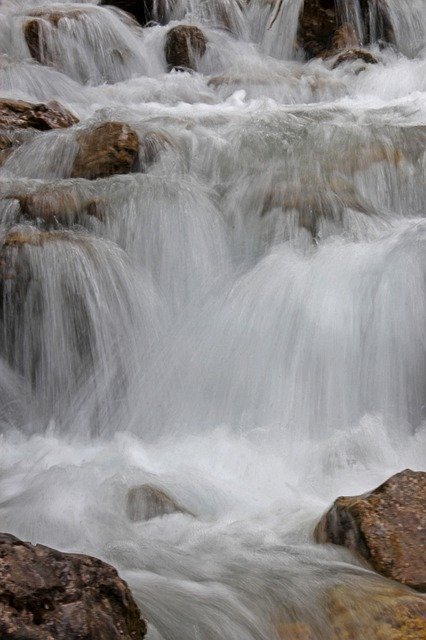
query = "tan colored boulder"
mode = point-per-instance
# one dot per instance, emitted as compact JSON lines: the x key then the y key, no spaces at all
{"x":146,"y":501}
{"x":21,"y":114}
{"x":49,"y":595}
{"x":185,"y":45}
{"x":386,"y":526}
{"x":364,"y":611}
{"x":107,"y":149}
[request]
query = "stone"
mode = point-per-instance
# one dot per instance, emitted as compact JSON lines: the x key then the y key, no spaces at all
{"x":351,"y":55}
{"x":49,"y":595}
{"x":108,"y":149}
{"x":145,"y":502}
{"x":317,"y":26}
{"x":151,"y":145}
{"x":386,"y":526}
{"x":185,"y":45}
{"x":365,"y":610}
{"x":22,"y":114}
{"x":144,"y":11}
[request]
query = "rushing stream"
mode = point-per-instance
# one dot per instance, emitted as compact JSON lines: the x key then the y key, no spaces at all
{"x":243,"y":328}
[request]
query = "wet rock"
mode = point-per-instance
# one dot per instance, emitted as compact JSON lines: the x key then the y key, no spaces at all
{"x":146,"y":501}
{"x":351,"y":55}
{"x":35,"y":29}
{"x":21,"y":114}
{"x":185,"y":45}
{"x":151,"y":146}
{"x":108,"y":149}
{"x":58,"y":205}
{"x":365,"y":611}
{"x":317,"y":25}
{"x":144,"y":11}
{"x":386,"y":526}
{"x":49,"y":595}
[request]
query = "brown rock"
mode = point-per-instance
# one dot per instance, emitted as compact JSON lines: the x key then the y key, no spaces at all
{"x":317,"y":25}
{"x":386,"y":526}
{"x":350,"y":55}
{"x":185,"y":45}
{"x":49,"y":595}
{"x":146,"y":501}
{"x":21,"y":114}
{"x":108,"y":149}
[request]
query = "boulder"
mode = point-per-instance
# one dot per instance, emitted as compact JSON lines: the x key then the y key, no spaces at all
{"x":386,"y":526}
{"x":22,"y":114}
{"x":144,"y":11}
{"x":107,"y":149}
{"x":49,"y":595}
{"x":317,"y":25}
{"x":185,"y":45}
{"x":367,"y":611}
{"x":145,"y":502}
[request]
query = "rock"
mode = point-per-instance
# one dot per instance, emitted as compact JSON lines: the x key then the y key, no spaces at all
{"x":53,"y":204}
{"x":365,"y":611}
{"x":39,"y":20}
{"x":21,"y":114}
{"x":152,"y":144}
{"x":386,"y":526}
{"x":144,"y":11}
{"x":317,"y":25}
{"x":49,"y":595}
{"x":185,"y":45}
{"x":146,"y":501}
{"x":108,"y":149}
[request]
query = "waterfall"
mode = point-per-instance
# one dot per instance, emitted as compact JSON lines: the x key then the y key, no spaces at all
{"x":237,"y":318}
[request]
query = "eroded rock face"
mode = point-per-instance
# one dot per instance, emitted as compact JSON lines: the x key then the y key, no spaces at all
{"x":49,"y":595}
{"x":108,"y":149}
{"x":146,"y":501}
{"x":386,"y":526}
{"x":185,"y":45}
{"x":317,"y":25}
{"x":351,"y":55}
{"x":21,"y":114}
{"x":366,"y":611}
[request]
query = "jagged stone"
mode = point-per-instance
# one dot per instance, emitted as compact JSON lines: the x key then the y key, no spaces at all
{"x":22,"y":114}
{"x":107,"y":149}
{"x":386,"y":526}
{"x":185,"y":45}
{"x":49,"y":595}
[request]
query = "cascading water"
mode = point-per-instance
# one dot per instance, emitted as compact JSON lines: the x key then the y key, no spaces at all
{"x":243,"y":326}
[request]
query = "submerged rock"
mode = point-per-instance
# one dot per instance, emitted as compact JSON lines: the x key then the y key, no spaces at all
{"x":38,"y":21}
{"x":367,"y":611}
{"x":49,"y":595}
{"x":108,"y":149}
{"x":52,"y":204}
{"x":351,"y":55}
{"x":22,"y":114}
{"x":386,"y":526}
{"x":185,"y":45}
{"x":146,"y":501}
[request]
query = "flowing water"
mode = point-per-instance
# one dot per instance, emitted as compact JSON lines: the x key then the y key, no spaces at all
{"x":243,"y":327}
